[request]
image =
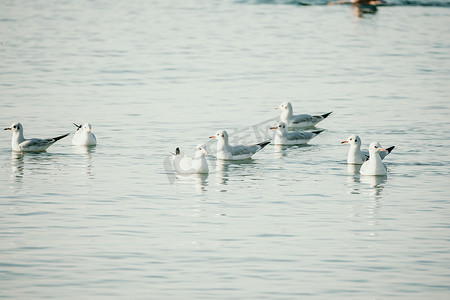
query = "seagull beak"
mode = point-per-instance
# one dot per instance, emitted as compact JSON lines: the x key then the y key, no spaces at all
{"x":344,"y":142}
{"x":206,"y":152}
{"x":382,"y":149}
{"x":9,"y":128}
{"x":277,"y":107}
{"x":212,"y":137}
{"x":273,"y":128}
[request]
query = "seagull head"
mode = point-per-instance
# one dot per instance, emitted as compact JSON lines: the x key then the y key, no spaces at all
{"x":285,"y":106}
{"x":352,"y":140}
{"x":87,"y":127}
{"x":220,"y":135}
{"x":200,"y":150}
{"x":375,"y":147}
{"x":281,"y":127}
{"x":15,"y":127}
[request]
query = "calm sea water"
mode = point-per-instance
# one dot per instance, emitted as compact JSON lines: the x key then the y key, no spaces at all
{"x":114,"y":222}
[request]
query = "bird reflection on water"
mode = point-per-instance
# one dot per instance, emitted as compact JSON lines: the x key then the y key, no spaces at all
{"x":226,"y":169}
{"x":354,"y":180}
{"x":17,"y":166}
{"x":362,"y":7}
{"x":86,"y":152}
{"x":200,"y":181}
{"x":360,"y":10}
{"x":283,"y":150}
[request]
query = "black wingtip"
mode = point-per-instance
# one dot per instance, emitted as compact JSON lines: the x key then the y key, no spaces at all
{"x":177,"y":151}
{"x":327,"y":114}
{"x":263,"y":144}
{"x":390,"y":149}
{"x":318,"y":131}
{"x":61,"y":136}
{"x":78,"y":126}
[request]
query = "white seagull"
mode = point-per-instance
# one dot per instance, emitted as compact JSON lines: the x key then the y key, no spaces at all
{"x":374,"y":166}
{"x":298,"y":121}
{"x":84,"y":136}
{"x":283,"y":137}
{"x":187,"y":165}
{"x":227,"y":152}
{"x":356,"y":155}
{"x":19,"y":143}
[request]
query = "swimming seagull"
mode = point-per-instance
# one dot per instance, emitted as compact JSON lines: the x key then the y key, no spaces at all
{"x":356,"y":155}
{"x":298,"y":121}
{"x":374,"y":166}
{"x":19,"y":143}
{"x":84,"y":136}
{"x":283,"y":137}
{"x":227,"y":152}
{"x":184,"y":164}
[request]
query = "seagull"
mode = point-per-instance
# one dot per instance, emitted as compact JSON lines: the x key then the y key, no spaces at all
{"x":227,"y":152}
{"x":187,"y":165}
{"x":19,"y":143}
{"x":283,"y":137}
{"x":358,"y":157}
{"x":84,"y":136}
{"x":298,"y":121}
{"x":374,"y":166}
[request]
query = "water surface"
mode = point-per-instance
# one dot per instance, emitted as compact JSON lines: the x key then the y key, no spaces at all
{"x":113,"y":222}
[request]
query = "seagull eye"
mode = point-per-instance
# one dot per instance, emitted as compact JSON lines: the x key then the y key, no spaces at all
{"x":376,"y":146}
{"x":279,"y":125}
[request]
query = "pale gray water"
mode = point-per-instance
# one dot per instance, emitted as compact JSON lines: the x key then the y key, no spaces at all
{"x":111,"y":222}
